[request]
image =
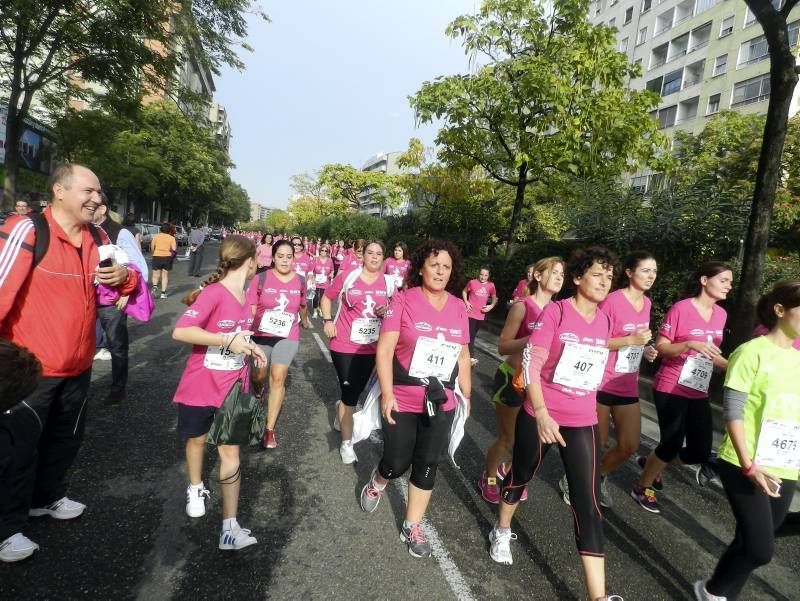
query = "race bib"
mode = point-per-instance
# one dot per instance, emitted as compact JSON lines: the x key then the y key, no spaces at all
{"x":320,"y":278}
{"x":365,"y":330}
{"x":222,"y":360}
{"x":628,"y":359}
{"x":276,"y":323}
{"x":696,"y":373}
{"x":434,"y":358}
{"x":779,"y":444}
{"x":581,"y":366}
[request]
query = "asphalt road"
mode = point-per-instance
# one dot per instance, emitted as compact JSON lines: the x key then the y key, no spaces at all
{"x":135,"y":541}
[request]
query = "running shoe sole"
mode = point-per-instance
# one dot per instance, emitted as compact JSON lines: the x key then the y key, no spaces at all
{"x":644,"y":506}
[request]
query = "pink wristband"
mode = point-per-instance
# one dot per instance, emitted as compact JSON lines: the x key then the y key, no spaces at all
{"x":750,"y":470}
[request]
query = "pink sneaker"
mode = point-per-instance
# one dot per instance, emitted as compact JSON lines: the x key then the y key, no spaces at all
{"x":501,"y":473}
{"x":489,"y":490}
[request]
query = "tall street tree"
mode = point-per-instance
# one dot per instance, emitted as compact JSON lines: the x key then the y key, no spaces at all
{"x":783,"y":75}
{"x":547,"y":96}
{"x":48,"y":48}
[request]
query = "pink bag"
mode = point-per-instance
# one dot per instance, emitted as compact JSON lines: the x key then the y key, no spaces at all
{"x":140,"y":304}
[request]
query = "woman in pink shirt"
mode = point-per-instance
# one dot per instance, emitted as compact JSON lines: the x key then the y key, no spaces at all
{"x":363,"y":297}
{"x":480,"y":297}
{"x":688,"y":342}
{"x":563,"y":365}
{"x":546,"y":280}
{"x":264,"y":251}
{"x":280,"y":311}
{"x":217,"y":324}
{"x":421,"y":351}
{"x":323,"y":276}
{"x":397,"y":266}
{"x":522,"y":286}
{"x":618,"y":396}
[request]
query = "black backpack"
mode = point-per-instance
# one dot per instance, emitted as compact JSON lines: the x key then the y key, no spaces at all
{"x":42,"y":240}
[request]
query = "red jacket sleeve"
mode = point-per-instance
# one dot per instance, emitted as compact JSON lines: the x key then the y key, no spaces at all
{"x":128,"y":287}
{"x":17,"y":238}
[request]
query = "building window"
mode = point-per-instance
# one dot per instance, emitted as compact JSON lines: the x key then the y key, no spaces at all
{"x":713,"y":104}
{"x":703,"y":5}
{"x":654,"y":85}
{"x":751,"y":90}
{"x":727,"y":26}
{"x":641,"y":37}
{"x":720,"y":65}
{"x":666,"y":116}
{"x":612,"y":22}
{"x":753,"y":50}
{"x":646,"y":4}
{"x":793,"y":29}
{"x":628,"y":15}
{"x":639,"y":184}
{"x":672,"y":82}
{"x":623,"y":45}
{"x":749,"y":17}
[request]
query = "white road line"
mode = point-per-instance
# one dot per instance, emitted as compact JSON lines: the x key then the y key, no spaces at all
{"x":449,"y":568}
{"x":322,"y":347}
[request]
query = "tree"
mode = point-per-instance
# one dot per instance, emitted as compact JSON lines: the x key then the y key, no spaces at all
{"x":548,"y":97}
{"x":783,"y":75}
{"x":311,"y":203}
{"x":280,"y":221}
{"x":346,"y":183}
{"x":119,"y":46}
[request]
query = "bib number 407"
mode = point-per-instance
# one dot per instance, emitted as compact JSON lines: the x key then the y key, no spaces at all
{"x":583,"y":366}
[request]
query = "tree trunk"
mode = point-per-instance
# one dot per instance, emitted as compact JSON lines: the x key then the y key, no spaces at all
{"x":783,"y":79}
{"x":519,"y":201}
{"x":13,"y":132}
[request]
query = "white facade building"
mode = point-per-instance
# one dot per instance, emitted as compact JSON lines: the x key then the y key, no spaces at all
{"x":369,"y":201}
{"x":701,"y":56}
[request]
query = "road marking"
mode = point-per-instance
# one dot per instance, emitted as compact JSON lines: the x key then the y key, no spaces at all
{"x":449,"y":568}
{"x":322,"y":347}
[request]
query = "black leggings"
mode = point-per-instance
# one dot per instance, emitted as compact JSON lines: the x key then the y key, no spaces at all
{"x":582,"y":466}
{"x":474,"y":326}
{"x":757,"y":518}
{"x":353,"y":372}
{"x":416,"y":441}
{"x":679,"y":418}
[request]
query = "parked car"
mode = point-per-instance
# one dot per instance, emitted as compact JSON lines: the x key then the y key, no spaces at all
{"x":181,"y":236}
{"x":148,"y":230}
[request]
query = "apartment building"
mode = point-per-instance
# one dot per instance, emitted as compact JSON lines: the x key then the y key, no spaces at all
{"x":370,"y":201}
{"x":701,"y":56}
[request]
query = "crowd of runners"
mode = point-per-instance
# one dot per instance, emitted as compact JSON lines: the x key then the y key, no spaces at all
{"x":401,"y":327}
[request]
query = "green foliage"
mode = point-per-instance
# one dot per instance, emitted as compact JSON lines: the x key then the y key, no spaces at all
{"x":280,"y":221}
{"x":548,"y":98}
{"x":782,"y":267}
{"x":156,"y":152}
{"x":346,"y":184}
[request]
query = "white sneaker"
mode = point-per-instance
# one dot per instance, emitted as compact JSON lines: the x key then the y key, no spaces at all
{"x":702,"y":594}
{"x":17,"y":547}
{"x":238,"y":538}
{"x":196,"y":500}
{"x":63,"y":509}
{"x":347,"y":452}
{"x":500,"y":546}
{"x":336,"y":425}
{"x":102,"y":355}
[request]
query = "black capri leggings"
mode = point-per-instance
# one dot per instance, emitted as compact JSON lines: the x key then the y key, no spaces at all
{"x":757,"y":518}
{"x":353,"y":372}
{"x":679,"y":418}
{"x":474,"y":326}
{"x":416,"y":441}
{"x":580,"y":458}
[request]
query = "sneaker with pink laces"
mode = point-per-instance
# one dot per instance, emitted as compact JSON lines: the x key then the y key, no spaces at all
{"x":414,"y":536}
{"x":489,"y":489}
{"x":502,"y":473}
{"x":370,"y":495}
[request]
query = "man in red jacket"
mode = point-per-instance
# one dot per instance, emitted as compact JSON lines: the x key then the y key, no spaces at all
{"x":50,"y":309}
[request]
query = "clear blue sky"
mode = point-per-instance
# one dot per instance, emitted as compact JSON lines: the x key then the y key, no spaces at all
{"x":328,"y":82}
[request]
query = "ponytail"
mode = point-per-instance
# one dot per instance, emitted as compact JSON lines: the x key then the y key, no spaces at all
{"x":233,"y":252}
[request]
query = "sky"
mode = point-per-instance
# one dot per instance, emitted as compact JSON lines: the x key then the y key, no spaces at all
{"x":328,"y":82}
